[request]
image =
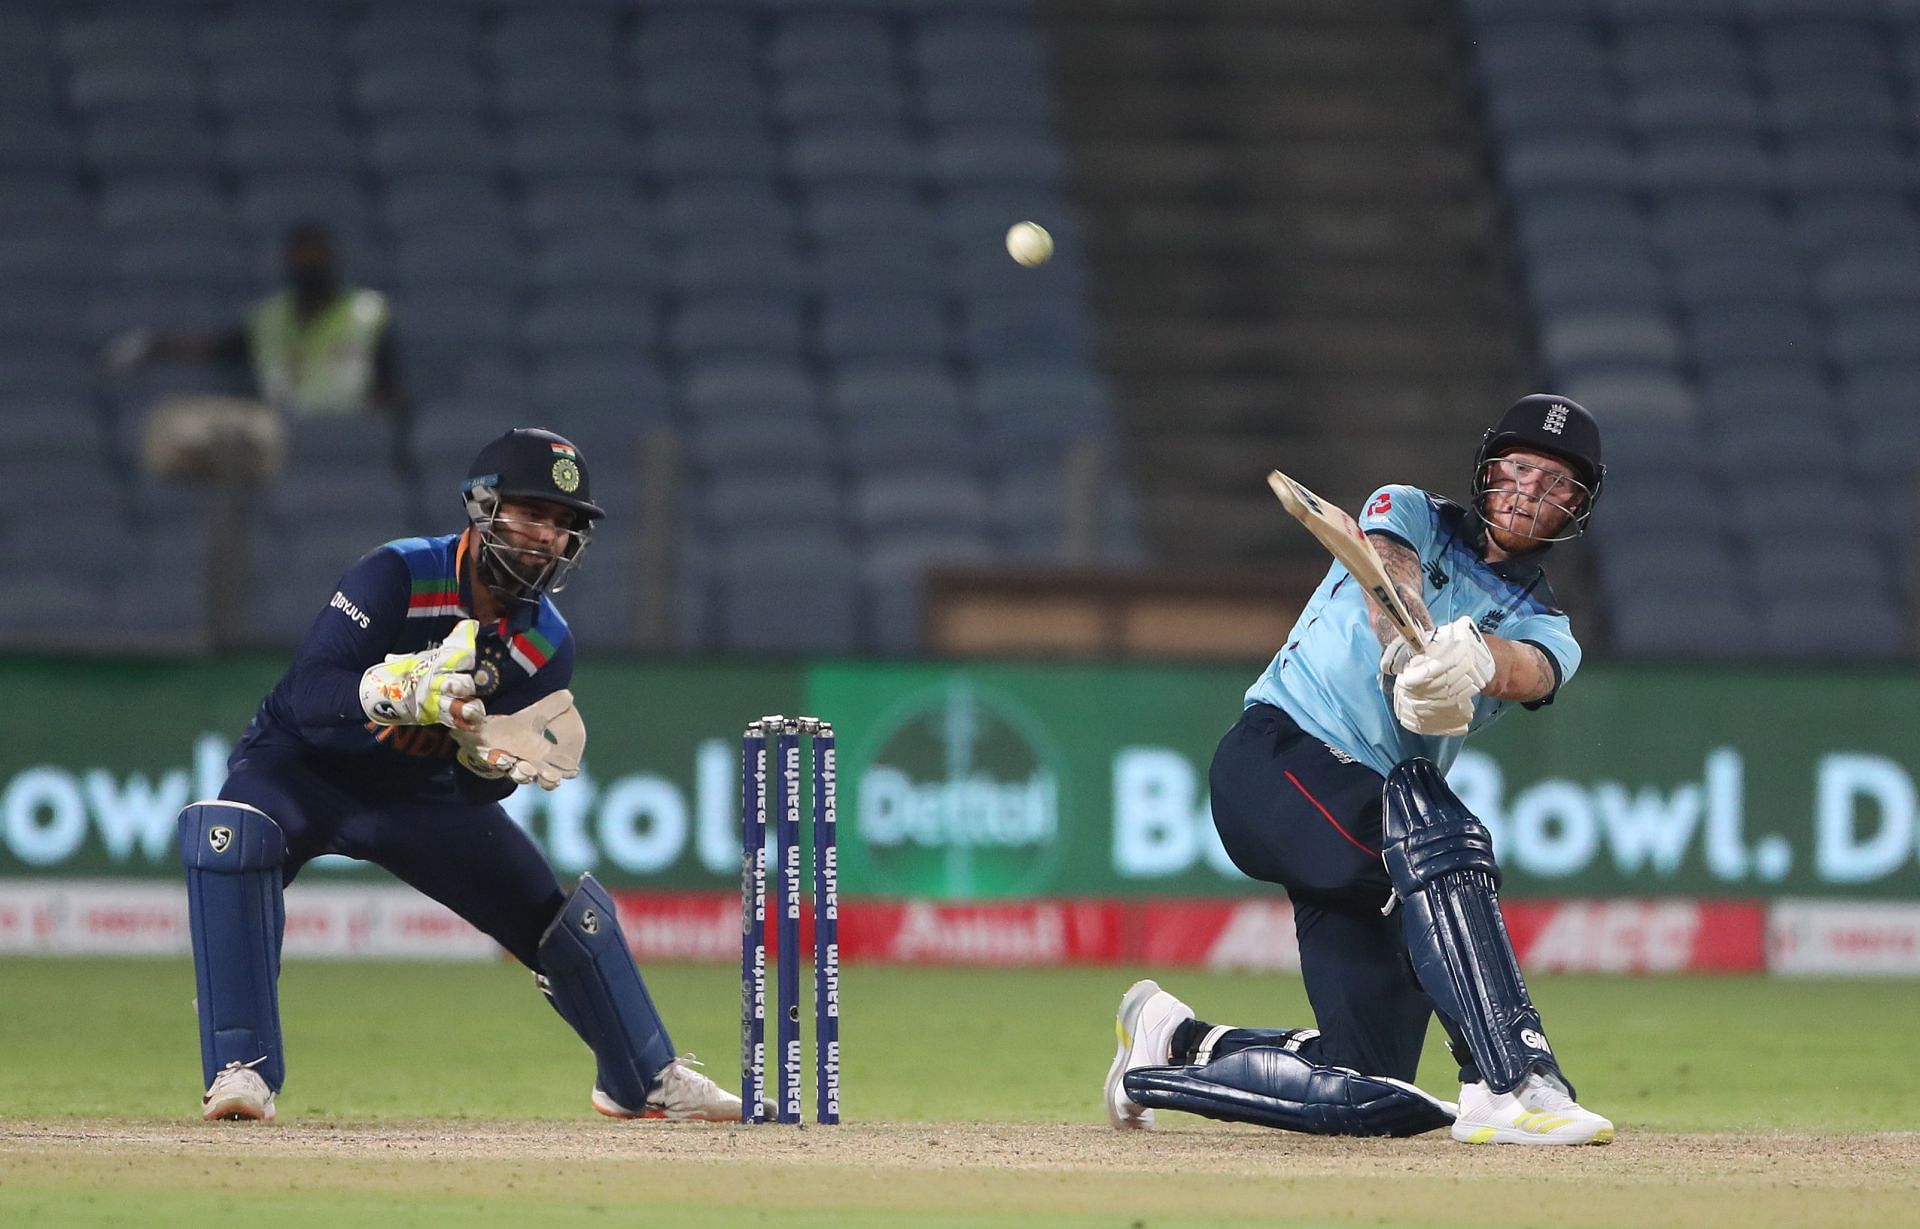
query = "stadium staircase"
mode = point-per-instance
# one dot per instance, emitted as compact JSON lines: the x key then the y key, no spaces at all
{"x":1294,"y":263}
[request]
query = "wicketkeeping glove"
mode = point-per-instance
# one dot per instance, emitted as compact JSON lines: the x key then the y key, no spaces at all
{"x":430,"y":688}
{"x":539,"y":745}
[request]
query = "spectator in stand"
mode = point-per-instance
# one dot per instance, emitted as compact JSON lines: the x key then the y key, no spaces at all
{"x":317,"y":349}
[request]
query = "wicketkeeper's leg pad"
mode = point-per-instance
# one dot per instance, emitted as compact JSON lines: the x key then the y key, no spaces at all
{"x":1274,"y":1087}
{"x":1440,"y":858}
{"x":597,"y":988}
{"x":233,"y":855}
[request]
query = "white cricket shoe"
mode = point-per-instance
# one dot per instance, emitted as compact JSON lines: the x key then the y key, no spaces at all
{"x":681,"y":1095}
{"x":1537,"y":1112}
{"x":1144,"y":1029}
{"x":238,"y":1094}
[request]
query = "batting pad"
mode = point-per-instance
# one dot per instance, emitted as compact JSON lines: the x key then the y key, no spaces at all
{"x":597,"y":988}
{"x":232,"y":854}
{"x":1440,"y":857}
{"x":1272,"y":1087}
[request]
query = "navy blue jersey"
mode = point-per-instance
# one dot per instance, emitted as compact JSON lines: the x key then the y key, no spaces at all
{"x":403,"y":597}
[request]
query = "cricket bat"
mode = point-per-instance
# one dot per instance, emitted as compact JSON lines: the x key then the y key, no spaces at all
{"x":1339,"y":534}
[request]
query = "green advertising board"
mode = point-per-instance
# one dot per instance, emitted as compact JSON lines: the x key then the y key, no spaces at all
{"x":982,"y":781}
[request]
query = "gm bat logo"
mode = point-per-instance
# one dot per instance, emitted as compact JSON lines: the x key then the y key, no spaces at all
{"x":220,"y":838}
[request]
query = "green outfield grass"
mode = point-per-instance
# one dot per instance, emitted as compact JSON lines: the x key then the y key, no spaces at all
{"x":116,"y":1038}
{"x":109,"y":1046}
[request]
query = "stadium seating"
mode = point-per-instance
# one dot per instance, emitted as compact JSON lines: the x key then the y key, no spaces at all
{"x":1714,"y":212}
{"x":771,"y":228}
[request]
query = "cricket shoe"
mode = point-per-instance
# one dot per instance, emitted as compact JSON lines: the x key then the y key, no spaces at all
{"x":1537,"y":1112}
{"x":680,"y":1094}
{"x":1144,"y":1029}
{"x":238,"y":1095}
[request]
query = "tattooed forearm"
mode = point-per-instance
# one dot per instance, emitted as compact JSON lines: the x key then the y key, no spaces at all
{"x":1520,"y":671}
{"x":1403,"y":569}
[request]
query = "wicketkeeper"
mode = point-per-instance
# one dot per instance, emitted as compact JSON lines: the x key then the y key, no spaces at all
{"x":432,"y":684}
{"x":1330,"y":785}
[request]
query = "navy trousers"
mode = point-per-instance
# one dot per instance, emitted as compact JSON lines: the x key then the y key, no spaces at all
{"x":1293,"y":811}
{"x":469,"y":856}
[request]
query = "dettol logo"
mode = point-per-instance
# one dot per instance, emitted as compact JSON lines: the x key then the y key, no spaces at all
{"x":959,"y":797}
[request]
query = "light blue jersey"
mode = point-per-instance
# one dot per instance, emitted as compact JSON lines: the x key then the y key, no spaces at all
{"x":1327,"y":677}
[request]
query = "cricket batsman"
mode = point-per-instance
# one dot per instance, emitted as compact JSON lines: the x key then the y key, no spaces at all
{"x":431,"y":685}
{"x":1331,"y":786}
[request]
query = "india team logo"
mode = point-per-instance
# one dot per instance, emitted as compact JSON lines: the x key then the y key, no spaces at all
{"x":566,"y":475}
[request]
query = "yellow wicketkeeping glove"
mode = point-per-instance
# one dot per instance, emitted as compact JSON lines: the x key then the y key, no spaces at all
{"x":429,"y":688}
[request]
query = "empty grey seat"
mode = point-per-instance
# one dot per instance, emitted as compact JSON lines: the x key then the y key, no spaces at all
{"x":852,"y":152}
{"x":35,"y":147}
{"x":888,"y":263}
{"x":757,"y":325}
{"x":1651,"y":396}
{"x":735,"y":505}
{"x":1859,"y":161}
{"x":757,"y":386}
{"x":286,"y":36}
{"x":590,"y":319}
{"x":859,"y":391}
{"x":1702,"y":51}
{"x":437,"y":85}
{"x":894,"y":569}
{"x":555,"y":147}
{"x":1552,"y":163}
{"x":557,"y":205}
{"x":1681,"y":162}
{"x":397,"y":33}
{"x":1747,"y":333}
{"x":1624,"y":278}
{"x":793,"y":605}
{"x":1573,"y":341}
{"x":738,"y":263}
{"x":251,"y":87}
{"x":762,"y":441}
{"x":1685,"y":107}
{"x":828,"y":100}
{"x":420,"y":144}
{"x":929,"y":499}
{"x":565,"y":36}
{"x":269,"y":203}
{"x":1834,"y":106}
{"x":133,"y":88}
{"x":1830,"y":223}
{"x":566,"y":90}
{"x":704,"y":209}
{"x":998,"y":154}
{"x":275,"y":142}
{"x":628,"y":387}
{"x":624,"y":261}
{"x":908,"y":441}
{"x":882,"y":328}
{"x":120,"y":146}
{"x":1731,"y":276}
{"x":711,"y":152}
{"x":1852,"y":279}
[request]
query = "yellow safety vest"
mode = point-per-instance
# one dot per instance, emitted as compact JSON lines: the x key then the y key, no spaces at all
{"x":322,"y":366}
